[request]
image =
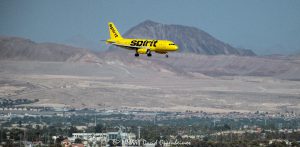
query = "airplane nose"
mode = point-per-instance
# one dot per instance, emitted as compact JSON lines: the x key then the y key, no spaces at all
{"x":176,"y":47}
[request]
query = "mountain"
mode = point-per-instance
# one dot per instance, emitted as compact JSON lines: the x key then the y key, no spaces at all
{"x":189,"y":39}
{"x":283,"y":67}
{"x":24,"y":49}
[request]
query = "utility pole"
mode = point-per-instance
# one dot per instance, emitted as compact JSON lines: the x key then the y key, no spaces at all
{"x":214,"y":122}
{"x":95,"y":121}
{"x":139,"y":132}
{"x":1,"y":133}
{"x":265,"y":122}
{"x":139,"y":135}
{"x":64,"y":116}
{"x":20,"y":139}
{"x":231,"y":133}
{"x":24,"y":136}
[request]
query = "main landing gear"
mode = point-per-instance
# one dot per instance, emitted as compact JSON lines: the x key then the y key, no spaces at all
{"x":137,"y":54}
{"x":149,"y":53}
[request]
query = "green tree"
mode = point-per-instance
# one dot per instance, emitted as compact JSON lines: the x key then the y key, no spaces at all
{"x":72,"y":130}
{"x":59,"y":140}
{"x":99,"y":128}
{"x":78,"y":140}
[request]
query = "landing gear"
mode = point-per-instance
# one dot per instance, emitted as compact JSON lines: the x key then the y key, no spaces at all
{"x":149,"y":53}
{"x":167,"y":56}
{"x":136,"y":53}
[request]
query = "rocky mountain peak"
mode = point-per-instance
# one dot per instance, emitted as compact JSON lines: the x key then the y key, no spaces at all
{"x":189,"y":39}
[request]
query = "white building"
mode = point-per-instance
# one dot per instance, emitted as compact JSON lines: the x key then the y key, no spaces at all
{"x":104,"y":138}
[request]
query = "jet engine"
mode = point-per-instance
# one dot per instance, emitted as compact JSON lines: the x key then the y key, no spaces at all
{"x":142,"y":51}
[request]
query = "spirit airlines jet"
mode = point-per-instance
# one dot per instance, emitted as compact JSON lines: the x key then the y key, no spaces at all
{"x":141,"y":46}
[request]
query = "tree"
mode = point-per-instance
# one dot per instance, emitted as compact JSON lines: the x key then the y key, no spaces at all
{"x":59,"y":140}
{"x":99,"y":128}
{"x":78,"y":140}
{"x":294,"y":143}
{"x":20,"y":123}
{"x":72,"y":130}
{"x":277,"y":144}
{"x":226,"y":127}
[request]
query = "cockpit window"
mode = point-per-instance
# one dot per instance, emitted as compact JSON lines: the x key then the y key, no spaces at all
{"x":171,"y":44}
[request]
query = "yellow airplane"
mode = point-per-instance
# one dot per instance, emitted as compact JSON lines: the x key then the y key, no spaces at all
{"x":141,"y":46}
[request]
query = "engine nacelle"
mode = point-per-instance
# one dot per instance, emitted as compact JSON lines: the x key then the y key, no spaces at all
{"x":142,"y":51}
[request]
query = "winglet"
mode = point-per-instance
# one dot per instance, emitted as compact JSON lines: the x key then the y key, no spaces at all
{"x":113,"y":32}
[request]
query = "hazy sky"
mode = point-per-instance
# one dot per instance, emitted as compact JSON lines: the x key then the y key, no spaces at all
{"x":265,"y":26}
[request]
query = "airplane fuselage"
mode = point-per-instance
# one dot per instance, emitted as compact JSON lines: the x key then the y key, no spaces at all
{"x":153,"y":45}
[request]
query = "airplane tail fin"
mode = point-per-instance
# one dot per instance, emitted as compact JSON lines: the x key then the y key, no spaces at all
{"x":113,"y":32}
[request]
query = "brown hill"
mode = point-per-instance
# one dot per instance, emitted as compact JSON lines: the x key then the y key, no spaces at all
{"x":186,"y":64}
{"x":218,"y":65}
{"x":15,"y":48}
